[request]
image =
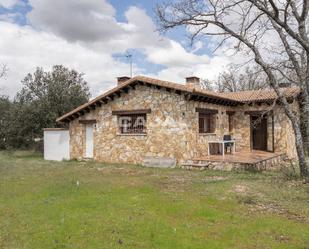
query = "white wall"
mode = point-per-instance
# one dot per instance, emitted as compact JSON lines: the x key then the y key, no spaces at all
{"x":56,"y":144}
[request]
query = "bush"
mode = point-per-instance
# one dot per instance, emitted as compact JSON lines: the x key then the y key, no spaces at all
{"x":290,"y":171}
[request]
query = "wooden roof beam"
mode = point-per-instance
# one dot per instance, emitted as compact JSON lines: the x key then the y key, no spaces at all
{"x":178,"y":92}
{"x":206,"y":110}
{"x":126,"y":112}
{"x":187,"y":97}
{"x":124,"y":90}
{"x":87,"y":121}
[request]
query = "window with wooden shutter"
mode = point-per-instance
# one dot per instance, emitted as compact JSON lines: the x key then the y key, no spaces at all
{"x":207,"y":123}
{"x":231,"y":122}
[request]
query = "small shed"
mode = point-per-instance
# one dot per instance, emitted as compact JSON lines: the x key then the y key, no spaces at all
{"x":56,"y":144}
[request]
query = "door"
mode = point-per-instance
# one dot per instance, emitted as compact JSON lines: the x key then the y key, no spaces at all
{"x":259,"y":133}
{"x":89,"y":141}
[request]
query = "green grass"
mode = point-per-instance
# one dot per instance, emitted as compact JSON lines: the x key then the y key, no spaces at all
{"x":127,"y":206}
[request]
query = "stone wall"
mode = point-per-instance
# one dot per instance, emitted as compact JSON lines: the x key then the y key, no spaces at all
{"x":284,"y":140}
{"x":172,"y":128}
{"x":77,"y":140}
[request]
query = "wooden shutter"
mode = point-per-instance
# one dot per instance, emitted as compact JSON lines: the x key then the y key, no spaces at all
{"x":212,"y":121}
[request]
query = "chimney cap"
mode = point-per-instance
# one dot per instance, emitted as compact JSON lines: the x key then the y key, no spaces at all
{"x":193,"y":82}
{"x":122,"y":79}
{"x":192,"y":79}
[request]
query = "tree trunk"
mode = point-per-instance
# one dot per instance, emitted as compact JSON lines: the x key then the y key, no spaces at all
{"x":304,"y":119}
{"x":300,"y":150}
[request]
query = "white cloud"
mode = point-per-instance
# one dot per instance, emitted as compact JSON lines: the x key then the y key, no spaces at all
{"x":84,"y":34}
{"x":23,"y":49}
{"x":174,"y":55}
{"x":9,"y":3}
{"x":158,"y":49}
{"x":209,"y":70}
{"x":75,"y":20}
{"x":197,"y":46}
{"x":92,"y":23}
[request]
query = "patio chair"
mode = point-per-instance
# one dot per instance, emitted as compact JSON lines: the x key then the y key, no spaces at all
{"x":228,"y":145}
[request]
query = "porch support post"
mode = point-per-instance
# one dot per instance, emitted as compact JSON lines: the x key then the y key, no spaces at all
{"x":273,"y":127}
{"x":223,"y":148}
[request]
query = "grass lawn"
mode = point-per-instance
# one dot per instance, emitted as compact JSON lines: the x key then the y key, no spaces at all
{"x":93,"y":205}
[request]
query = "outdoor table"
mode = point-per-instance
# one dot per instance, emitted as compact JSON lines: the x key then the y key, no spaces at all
{"x":223,"y":142}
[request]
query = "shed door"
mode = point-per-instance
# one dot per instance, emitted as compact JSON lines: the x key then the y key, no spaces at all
{"x":259,"y":133}
{"x":89,"y":141}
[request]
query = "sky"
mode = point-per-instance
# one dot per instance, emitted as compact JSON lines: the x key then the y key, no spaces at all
{"x":94,"y":37}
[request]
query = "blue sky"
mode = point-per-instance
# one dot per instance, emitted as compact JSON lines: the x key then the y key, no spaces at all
{"x":93,"y":37}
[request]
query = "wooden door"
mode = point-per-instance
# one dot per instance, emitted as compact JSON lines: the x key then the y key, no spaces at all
{"x":259,"y":133}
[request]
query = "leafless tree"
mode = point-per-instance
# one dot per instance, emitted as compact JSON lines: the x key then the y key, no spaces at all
{"x":273,"y":33}
{"x":3,"y":70}
{"x":236,"y":79}
{"x":206,"y":84}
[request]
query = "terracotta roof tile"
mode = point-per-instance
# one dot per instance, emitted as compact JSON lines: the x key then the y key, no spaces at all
{"x":260,"y":95}
{"x":234,"y":98}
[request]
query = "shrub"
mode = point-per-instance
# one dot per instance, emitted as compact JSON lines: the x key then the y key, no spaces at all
{"x":290,"y":171}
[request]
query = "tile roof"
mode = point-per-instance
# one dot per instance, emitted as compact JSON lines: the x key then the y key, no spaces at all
{"x":230,"y":98}
{"x":260,"y":95}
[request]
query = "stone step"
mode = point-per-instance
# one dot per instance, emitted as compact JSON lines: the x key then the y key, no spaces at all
{"x":192,"y":165}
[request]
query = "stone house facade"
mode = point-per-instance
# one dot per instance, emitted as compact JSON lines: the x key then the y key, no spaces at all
{"x":147,"y":117}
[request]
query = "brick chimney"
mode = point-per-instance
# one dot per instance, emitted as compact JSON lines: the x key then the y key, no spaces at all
{"x":122,"y":79}
{"x":193,"y":82}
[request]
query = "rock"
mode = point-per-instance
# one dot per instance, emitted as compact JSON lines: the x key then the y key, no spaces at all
{"x":159,"y":162}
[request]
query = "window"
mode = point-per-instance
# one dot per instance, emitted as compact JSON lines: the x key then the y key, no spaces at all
{"x":206,"y":120}
{"x":132,"y":123}
{"x":207,"y":123}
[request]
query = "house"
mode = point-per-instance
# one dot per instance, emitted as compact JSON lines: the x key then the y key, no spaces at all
{"x":145,"y":117}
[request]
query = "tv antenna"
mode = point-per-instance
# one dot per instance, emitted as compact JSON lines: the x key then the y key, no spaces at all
{"x":129,"y":57}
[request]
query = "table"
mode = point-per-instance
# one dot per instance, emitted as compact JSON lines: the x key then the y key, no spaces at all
{"x":223,"y":142}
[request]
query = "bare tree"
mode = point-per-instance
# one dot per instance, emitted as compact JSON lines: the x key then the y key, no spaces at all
{"x":272,"y":33}
{"x":235,"y":79}
{"x":3,"y":70}
{"x":206,"y":84}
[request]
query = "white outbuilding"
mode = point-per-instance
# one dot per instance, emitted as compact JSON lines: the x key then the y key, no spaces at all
{"x":56,"y":144}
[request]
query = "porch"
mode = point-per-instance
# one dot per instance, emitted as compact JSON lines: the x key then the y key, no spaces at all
{"x":247,"y":160}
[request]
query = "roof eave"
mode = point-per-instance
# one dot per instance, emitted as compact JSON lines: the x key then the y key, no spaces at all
{"x":212,"y":98}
